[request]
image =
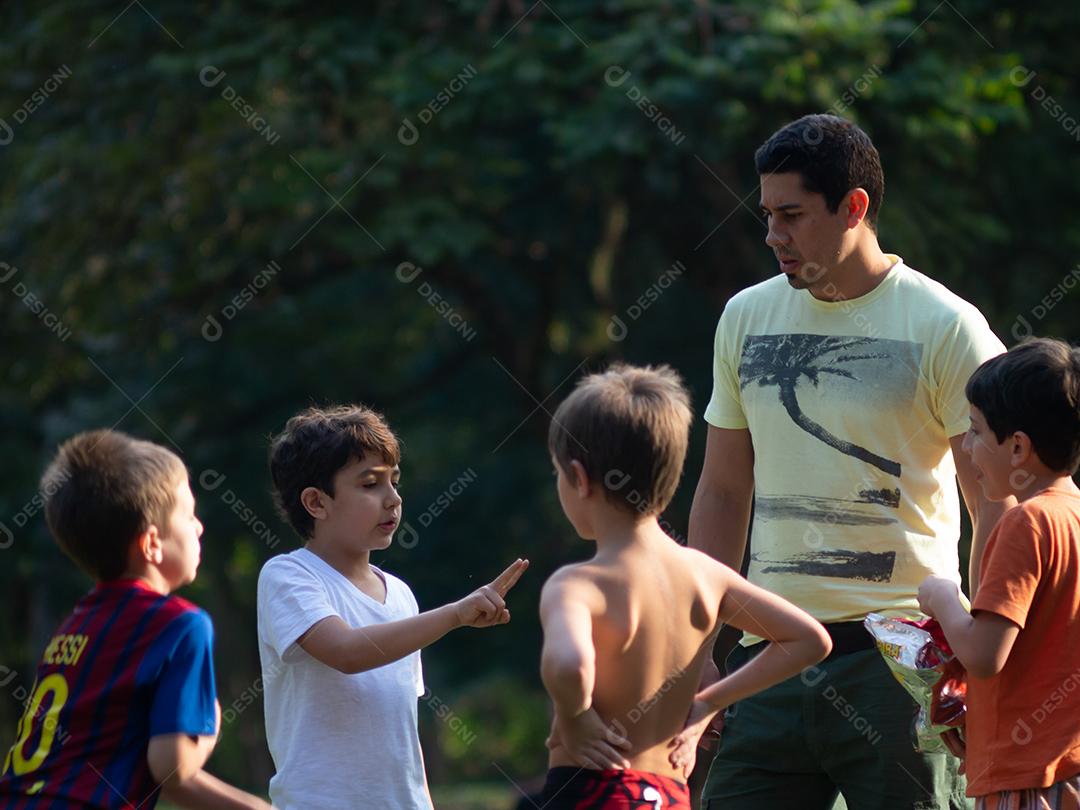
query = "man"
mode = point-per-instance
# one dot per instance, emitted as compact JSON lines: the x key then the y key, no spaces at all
{"x":838,"y":407}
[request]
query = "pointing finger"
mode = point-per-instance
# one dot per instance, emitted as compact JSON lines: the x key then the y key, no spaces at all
{"x":508,"y":578}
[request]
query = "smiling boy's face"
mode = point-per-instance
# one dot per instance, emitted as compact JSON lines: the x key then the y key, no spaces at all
{"x":992,"y":459}
{"x":365,"y":509}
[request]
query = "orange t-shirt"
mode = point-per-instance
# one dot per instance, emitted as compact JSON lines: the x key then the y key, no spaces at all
{"x":1023,"y":724}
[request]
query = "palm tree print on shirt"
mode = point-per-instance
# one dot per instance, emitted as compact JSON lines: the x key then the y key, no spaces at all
{"x":786,"y":360}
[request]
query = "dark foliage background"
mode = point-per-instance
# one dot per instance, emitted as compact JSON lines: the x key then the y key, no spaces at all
{"x":257,"y":174}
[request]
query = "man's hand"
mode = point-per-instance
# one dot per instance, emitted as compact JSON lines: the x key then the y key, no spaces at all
{"x":589,"y":742}
{"x":486,"y":606}
{"x":936,"y":591}
{"x":685,"y":744}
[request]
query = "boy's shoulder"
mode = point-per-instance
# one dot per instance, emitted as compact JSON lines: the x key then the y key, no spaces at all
{"x":1049,"y":504}
{"x":135,"y":601}
{"x":580,"y":580}
{"x":590,"y":576}
{"x":298,"y":563}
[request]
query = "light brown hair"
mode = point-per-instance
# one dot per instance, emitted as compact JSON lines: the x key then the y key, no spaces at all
{"x":314,"y":445}
{"x":629,"y":427}
{"x":102,"y":491}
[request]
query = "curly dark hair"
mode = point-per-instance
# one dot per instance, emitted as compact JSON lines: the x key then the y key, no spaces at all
{"x":314,"y":445}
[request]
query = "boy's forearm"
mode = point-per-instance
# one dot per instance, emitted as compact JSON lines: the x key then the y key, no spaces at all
{"x":207,"y":792}
{"x":958,"y":626}
{"x":777,"y":662}
{"x":570,"y":687}
{"x":380,"y":644}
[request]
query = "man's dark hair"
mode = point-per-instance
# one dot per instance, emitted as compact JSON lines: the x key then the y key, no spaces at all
{"x":1033,"y":388}
{"x":314,"y":445}
{"x":102,"y":491}
{"x":832,"y":155}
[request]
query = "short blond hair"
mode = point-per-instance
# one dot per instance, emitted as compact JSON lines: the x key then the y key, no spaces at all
{"x":102,"y":491}
{"x":629,"y":427}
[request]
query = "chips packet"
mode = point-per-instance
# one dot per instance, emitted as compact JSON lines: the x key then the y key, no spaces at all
{"x":922,"y":661}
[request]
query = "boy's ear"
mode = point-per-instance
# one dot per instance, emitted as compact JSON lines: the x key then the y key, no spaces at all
{"x":580,"y":479}
{"x":150,"y":547}
{"x":311,"y":498}
{"x":1020,"y":449}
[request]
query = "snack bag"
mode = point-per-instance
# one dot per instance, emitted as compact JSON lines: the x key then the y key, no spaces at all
{"x":920,"y":658}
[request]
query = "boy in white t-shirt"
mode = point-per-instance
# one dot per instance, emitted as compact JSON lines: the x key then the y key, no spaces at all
{"x":340,"y":640}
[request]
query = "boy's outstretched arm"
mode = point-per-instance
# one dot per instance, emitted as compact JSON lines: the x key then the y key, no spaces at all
{"x":797,"y":641}
{"x":206,"y":792}
{"x":176,"y":762}
{"x":981,"y":642}
{"x":568,"y":670}
{"x":358,"y":649}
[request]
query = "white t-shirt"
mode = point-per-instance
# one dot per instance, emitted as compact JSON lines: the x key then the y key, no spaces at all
{"x":338,"y":741}
{"x":850,"y":405}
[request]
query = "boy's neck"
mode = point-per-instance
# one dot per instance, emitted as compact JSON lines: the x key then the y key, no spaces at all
{"x":151,"y":576}
{"x":1036,"y":482}
{"x":622,"y":533}
{"x":354,"y":566}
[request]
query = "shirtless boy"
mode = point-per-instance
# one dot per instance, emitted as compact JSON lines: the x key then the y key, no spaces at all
{"x":627,"y":633}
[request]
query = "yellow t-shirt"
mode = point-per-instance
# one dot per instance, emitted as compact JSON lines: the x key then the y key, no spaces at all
{"x":850,"y":406}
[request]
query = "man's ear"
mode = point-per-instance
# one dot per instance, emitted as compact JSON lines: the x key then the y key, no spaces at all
{"x":580,"y":479}
{"x":855,"y":206}
{"x":312,"y":499}
{"x":151,"y":549}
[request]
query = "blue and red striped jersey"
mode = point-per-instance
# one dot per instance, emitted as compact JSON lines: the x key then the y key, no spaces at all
{"x":128,"y":664}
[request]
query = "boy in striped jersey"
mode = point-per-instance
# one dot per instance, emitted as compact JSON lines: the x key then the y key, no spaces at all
{"x":123,"y":706}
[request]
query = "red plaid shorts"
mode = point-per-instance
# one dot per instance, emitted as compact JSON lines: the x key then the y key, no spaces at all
{"x":569,"y":788}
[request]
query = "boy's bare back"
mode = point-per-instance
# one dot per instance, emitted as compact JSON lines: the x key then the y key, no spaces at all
{"x":652,"y":609}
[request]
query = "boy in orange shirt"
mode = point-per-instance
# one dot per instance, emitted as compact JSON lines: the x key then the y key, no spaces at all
{"x":1021,"y":642}
{"x":627,"y":632}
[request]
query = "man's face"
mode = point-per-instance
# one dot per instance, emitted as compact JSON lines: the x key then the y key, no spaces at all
{"x":806,"y":238}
